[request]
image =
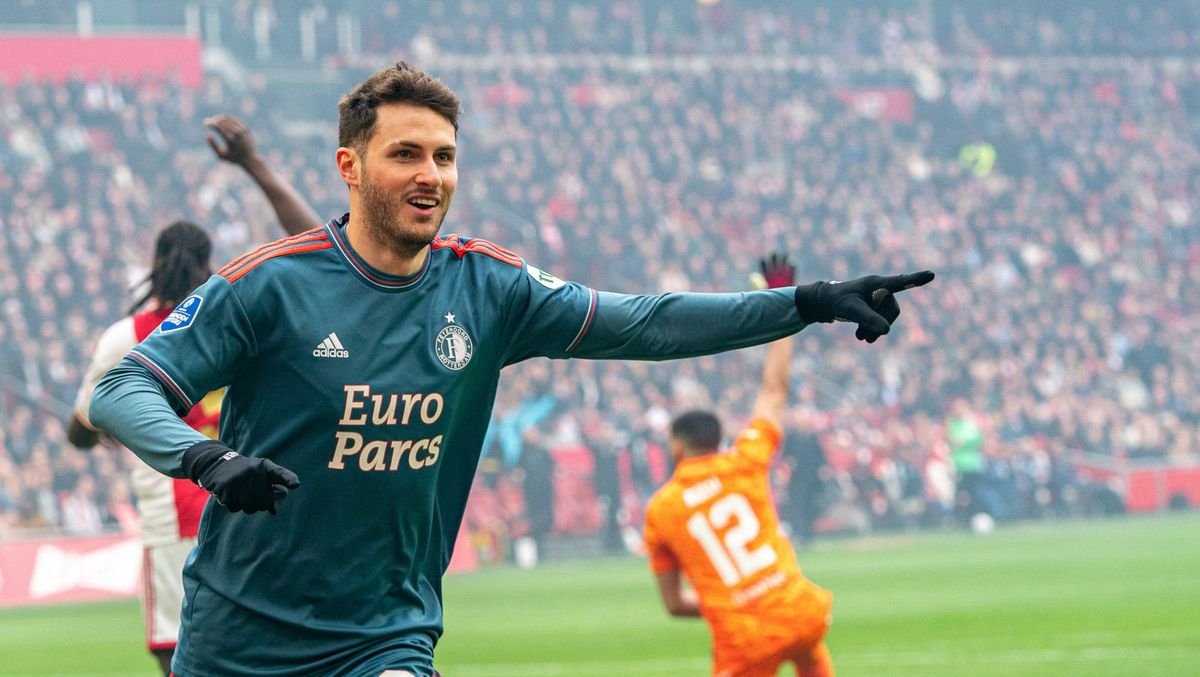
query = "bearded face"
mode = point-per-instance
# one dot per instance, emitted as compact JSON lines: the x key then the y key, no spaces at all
{"x":407,"y":174}
{"x":404,"y":221}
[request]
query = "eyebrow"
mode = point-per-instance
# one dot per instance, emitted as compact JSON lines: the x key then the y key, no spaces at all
{"x":414,"y":144}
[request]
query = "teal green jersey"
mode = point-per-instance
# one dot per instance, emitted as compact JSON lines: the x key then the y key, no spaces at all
{"x":376,"y":391}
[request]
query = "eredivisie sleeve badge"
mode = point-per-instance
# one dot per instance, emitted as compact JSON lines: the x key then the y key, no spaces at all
{"x":182,"y":316}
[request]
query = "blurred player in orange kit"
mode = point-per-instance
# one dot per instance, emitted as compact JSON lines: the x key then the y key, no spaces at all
{"x":714,"y":522}
{"x":170,"y":508}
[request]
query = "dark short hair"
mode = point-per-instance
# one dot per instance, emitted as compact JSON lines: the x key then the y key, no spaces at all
{"x":398,"y":84}
{"x":697,"y":430}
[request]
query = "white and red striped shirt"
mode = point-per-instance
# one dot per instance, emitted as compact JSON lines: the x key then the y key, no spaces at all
{"x":170,"y":508}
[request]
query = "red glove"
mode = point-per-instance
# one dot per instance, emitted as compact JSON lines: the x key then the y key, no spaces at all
{"x":777,"y":270}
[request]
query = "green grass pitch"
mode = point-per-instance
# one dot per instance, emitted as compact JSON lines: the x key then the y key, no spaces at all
{"x":1097,"y":598}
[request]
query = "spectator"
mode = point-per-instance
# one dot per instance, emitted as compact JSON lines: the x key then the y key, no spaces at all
{"x":803,"y":453}
{"x":966,"y":450}
{"x":538,"y":487}
{"x":80,"y":511}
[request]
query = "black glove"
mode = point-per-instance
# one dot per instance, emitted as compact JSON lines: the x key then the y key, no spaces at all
{"x":777,"y":270}
{"x":869,"y":302}
{"x":239,"y":483}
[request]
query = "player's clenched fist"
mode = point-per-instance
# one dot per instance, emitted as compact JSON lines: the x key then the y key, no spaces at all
{"x":869,"y":302}
{"x":237,"y":482}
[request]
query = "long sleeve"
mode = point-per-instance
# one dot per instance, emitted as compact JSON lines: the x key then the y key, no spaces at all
{"x":672,"y":326}
{"x":552,"y":318}
{"x":130,"y":405}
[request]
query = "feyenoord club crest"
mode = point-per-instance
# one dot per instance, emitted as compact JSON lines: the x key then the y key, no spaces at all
{"x":453,"y":345}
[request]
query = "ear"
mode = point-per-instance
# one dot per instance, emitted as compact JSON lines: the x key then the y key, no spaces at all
{"x":675,"y":447}
{"x":349,"y":165}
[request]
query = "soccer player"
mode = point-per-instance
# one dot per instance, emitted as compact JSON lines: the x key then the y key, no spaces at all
{"x":170,"y":508}
{"x":714,"y":523}
{"x":363,"y":359}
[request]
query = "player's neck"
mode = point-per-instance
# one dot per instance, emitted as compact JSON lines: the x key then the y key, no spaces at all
{"x":693,"y":454}
{"x":379,"y":255}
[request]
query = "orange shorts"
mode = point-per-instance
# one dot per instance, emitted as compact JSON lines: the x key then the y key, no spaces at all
{"x":810,"y":661}
{"x":760,"y":648}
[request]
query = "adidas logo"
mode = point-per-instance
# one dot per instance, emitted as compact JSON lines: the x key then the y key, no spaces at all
{"x":330,"y":347}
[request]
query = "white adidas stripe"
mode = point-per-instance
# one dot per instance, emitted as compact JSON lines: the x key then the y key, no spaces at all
{"x":336,"y":343}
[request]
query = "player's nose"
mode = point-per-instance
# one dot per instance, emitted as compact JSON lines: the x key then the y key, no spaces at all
{"x":429,"y":174}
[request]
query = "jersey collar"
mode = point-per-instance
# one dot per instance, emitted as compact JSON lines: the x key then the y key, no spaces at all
{"x":372,"y":276}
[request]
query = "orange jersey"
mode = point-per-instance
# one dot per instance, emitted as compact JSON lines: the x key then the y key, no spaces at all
{"x":716,"y":522}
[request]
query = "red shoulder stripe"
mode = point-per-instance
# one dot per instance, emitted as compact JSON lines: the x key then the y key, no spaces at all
{"x":495,"y":251}
{"x":306,"y":236}
{"x":298,"y":248}
{"x":256,"y":250}
{"x":477,"y":246}
{"x":448,"y":242}
{"x":488,"y":243}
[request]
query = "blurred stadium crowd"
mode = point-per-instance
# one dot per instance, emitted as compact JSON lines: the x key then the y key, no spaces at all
{"x":1054,"y":197}
{"x":265,"y":30}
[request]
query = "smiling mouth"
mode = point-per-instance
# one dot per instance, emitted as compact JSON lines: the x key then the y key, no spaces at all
{"x":424,"y":202}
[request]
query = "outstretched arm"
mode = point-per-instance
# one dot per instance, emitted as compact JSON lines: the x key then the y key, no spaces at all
{"x":293,"y":212}
{"x":673,"y":326}
{"x":772,"y":398}
{"x":680,"y":325}
{"x":777,"y":271}
{"x":557,"y":319}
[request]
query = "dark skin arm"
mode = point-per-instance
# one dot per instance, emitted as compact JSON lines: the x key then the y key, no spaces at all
{"x":778,"y":271}
{"x":679,"y":600}
{"x":772,"y":397}
{"x":293,"y":212}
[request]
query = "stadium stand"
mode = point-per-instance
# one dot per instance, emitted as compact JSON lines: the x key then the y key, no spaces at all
{"x":1050,"y":184}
